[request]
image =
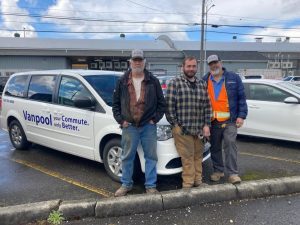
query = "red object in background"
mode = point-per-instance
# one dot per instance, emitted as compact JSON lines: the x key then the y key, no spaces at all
{"x":164,"y":86}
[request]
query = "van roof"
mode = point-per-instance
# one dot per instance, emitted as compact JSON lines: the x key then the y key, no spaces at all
{"x":71,"y":72}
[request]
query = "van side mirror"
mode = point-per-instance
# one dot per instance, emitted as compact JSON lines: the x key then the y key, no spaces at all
{"x":84,"y":102}
{"x":291,"y":100}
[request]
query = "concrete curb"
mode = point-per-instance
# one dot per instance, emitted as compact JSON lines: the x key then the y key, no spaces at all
{"x":26,"y":213}
{"x":134,"y":204}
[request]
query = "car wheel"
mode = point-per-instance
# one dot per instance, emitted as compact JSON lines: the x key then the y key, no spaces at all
{"x":113,"y":163}
{"x":17,"y":136}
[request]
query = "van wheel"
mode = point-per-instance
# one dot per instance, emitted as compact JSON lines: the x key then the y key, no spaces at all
{"x":113,"y":163}
{"x":17,"y":136}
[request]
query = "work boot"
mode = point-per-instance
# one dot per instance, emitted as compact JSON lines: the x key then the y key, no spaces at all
{"x":152,"y":191}
{"x":234,"y":179}
{"x":187,"y":186}
{"x":122,"y":191}
{"x":216,"y":176}
{"x":199,"y":183}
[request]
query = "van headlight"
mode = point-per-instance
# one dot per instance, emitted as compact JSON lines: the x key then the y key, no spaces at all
{"x":164,"y":132}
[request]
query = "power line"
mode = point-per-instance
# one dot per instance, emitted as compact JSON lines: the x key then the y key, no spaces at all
{"x":104,"y":12}
{"x":148,"y":32}
{"x":248,"y":18}
{"x":74,"y":24}
{"x":94,"y":19}
{"x":164,"y":12}
{"x":145,"y":22}
{"x":144,"y":6}
{"x":252,"y":26}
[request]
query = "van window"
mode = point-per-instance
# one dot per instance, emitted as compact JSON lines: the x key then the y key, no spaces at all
{"x":41,"y":88}
{"x":104,"y":86}
{"x":70,"y":89}
{"x":16,"y":86}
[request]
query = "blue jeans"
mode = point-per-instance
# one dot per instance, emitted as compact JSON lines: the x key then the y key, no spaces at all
{"x":131,"y":137}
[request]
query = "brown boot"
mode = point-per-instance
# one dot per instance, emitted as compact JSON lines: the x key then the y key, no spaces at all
{"x":152,"y":191}
{"x":122,"y":191}
{"x":234,"y":179}
{"x":187,"y":186}
{"x":199,"y":183}
{"x":216,"y":176}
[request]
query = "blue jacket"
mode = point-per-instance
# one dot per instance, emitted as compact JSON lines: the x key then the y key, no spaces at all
{"x":236,"y":95}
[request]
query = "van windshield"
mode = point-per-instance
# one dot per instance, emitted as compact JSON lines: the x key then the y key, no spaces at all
{"x":104,"y":85}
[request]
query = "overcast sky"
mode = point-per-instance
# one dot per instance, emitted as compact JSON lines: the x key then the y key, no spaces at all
{"x":159,"y":15}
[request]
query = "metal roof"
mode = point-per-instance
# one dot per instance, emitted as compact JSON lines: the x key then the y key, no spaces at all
{"x":81,"y":44}
{"x":241,"y":46}
{"x":147,"y":45}
{"x":231,"y":55}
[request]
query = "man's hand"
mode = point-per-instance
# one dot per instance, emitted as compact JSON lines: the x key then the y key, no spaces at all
{"x":177,"y":129}
{"x":125,"y":124}
{"x":239,"y":122}
{"x":206,"y":131}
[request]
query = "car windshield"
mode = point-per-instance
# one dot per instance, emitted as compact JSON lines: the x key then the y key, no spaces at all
{"x":104,"y":86}
{"x":290,"y":87}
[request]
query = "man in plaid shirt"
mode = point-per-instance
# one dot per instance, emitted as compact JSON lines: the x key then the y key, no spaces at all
{"x":189,"y":112}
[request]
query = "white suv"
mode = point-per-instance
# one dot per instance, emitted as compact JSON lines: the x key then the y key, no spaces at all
{"x":70,"y":111}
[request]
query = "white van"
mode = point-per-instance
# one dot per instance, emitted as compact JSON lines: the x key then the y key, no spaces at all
{"x":70,"y":111}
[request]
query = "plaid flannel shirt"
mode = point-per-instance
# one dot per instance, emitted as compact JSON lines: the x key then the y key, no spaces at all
{"x":189,"y":108}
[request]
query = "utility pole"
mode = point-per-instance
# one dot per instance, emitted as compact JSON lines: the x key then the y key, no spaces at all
{"x":202,"y":40}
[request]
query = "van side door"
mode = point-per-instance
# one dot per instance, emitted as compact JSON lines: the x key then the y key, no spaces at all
{"x":73,"y":116}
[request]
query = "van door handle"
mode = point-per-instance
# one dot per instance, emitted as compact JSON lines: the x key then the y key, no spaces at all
{"x":253,"y":107}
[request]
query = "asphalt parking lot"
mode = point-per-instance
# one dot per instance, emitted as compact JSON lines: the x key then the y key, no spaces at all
{"x":41,"y":173}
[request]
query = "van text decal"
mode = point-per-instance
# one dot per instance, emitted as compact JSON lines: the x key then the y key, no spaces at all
{"x":63,"y":122}
{"x":38,"y":119}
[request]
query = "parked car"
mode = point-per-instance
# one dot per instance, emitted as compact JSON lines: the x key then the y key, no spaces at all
{"x":3,"y":81}
{"x":292,"y":78}
{"x":70,"y":111}
{"x":254,"y":76}
{"x":274,"y":109}
{"x":164,"y":81}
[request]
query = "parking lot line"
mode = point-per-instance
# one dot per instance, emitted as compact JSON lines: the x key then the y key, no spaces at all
{"x":69,"y":180}
{"x":269,"y":157}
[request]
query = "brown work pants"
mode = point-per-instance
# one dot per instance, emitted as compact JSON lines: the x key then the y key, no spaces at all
{"x":190,"y":149}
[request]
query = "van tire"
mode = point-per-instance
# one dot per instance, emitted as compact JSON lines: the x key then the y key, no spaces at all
{"x":17,"y":136}
{"x":116,"y":143}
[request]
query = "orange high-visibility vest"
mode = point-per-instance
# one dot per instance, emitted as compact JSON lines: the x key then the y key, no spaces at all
{"x":220,"y":107}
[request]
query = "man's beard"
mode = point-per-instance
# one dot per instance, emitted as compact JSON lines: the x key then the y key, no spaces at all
{"x":137,"y":70}
{"x":215,"y":72}
{"x":189,"y":75}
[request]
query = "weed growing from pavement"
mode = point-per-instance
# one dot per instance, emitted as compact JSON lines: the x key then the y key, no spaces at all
{"x":55,"y":218}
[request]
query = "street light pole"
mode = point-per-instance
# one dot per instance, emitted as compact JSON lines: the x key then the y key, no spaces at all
{"x":205,"y":33}
{"x":202,"y":40}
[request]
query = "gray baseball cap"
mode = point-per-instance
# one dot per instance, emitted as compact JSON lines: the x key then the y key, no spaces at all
{"x":213,"y":58}
{"x":137,"y":54}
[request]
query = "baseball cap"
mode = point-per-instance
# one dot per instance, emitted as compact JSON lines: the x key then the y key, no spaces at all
{"x":137,"y":54}
{"x":213,"y":58}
